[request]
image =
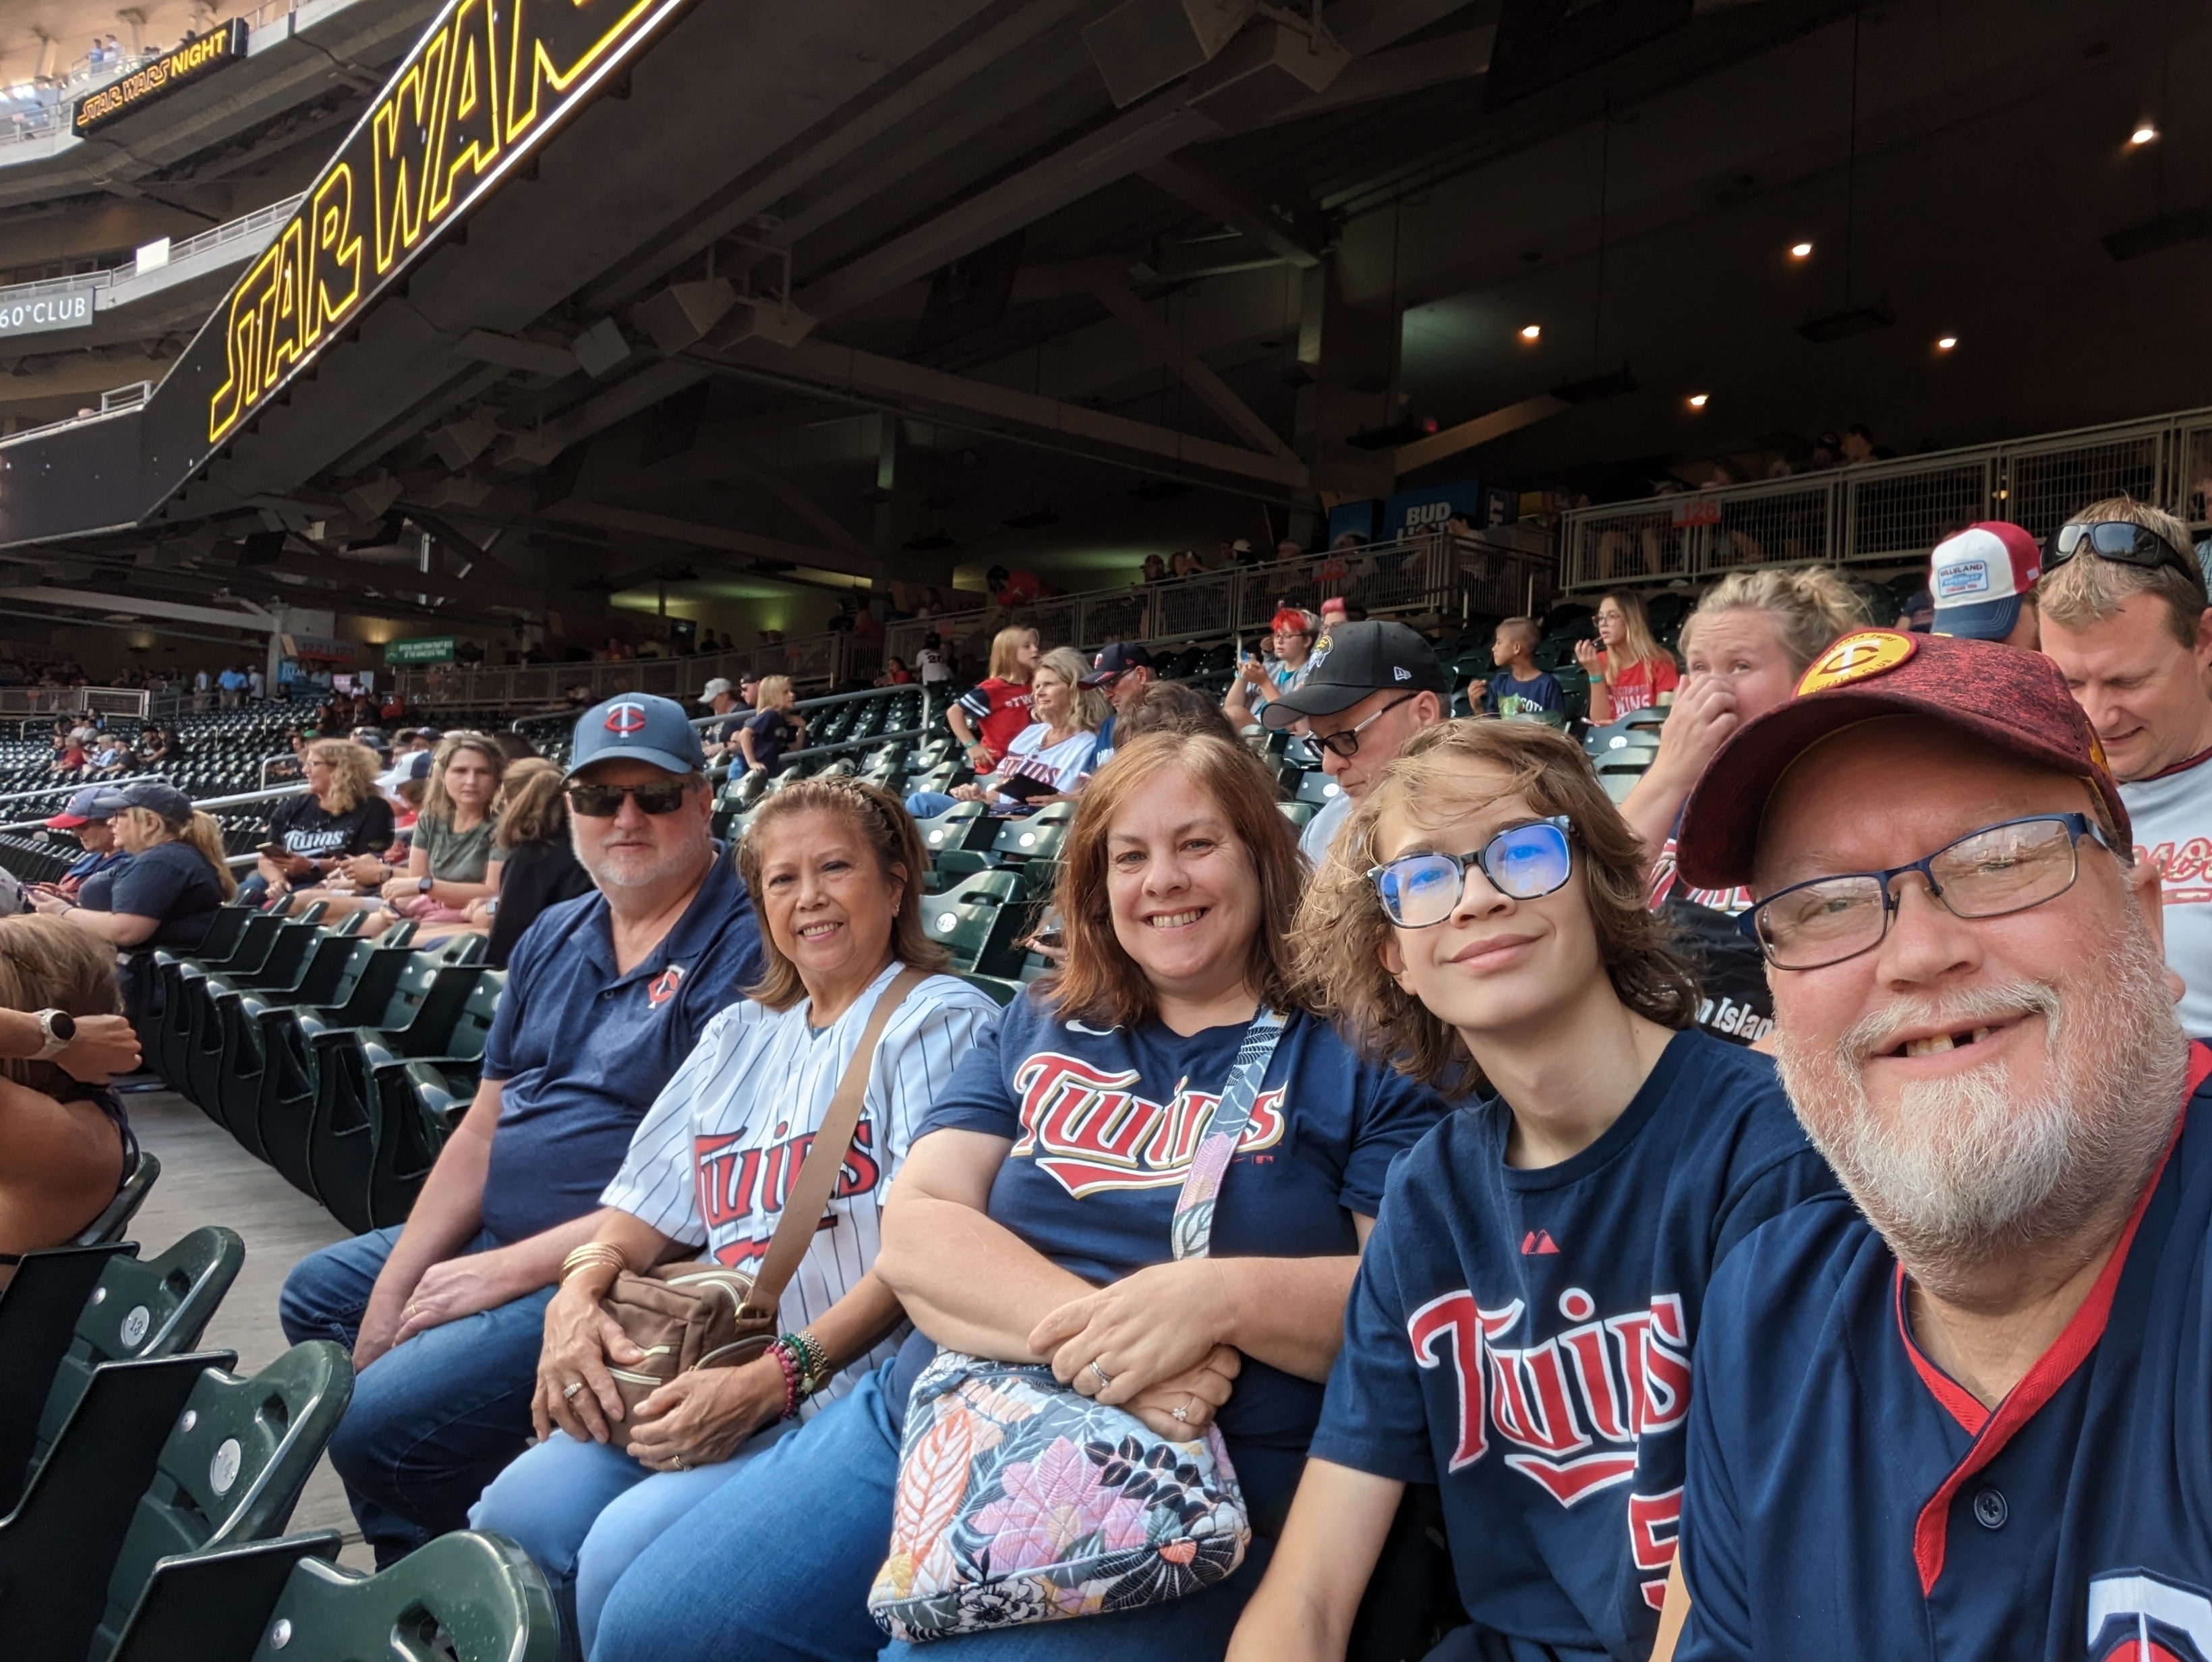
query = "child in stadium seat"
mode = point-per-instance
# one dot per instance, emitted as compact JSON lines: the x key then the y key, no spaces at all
{"x":1003,"y":1240}
{"x":1521,"y":1330}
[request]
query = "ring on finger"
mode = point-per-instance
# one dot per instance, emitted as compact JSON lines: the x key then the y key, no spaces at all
{"x":1183,"y":1413}
{"x":1103,"y":1378}
{"x":569,"y":1392}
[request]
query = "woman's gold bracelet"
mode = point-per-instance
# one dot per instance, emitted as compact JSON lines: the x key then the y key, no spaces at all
{"x":591,"y":1253}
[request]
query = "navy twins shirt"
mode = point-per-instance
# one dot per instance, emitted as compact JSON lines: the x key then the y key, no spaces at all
{"x":1847,"y":1499}
{"x":1104,"y":1124}
{"x":1522,"y":1338}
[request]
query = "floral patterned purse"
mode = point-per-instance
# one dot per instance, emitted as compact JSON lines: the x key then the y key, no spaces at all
{"x":1021,"y":1500}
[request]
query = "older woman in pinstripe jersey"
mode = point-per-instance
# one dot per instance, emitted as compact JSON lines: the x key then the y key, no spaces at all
{"x":835,"y":869}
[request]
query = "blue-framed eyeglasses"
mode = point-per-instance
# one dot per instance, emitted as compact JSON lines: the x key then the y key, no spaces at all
{"x":1991,"y":873}
{"x":1525,"y":863}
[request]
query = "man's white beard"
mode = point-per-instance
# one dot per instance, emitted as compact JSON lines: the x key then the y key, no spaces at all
{"x":1967,"y":1169}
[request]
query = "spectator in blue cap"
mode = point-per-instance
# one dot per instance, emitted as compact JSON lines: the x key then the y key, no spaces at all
{"x":168,"y":892}
{"x":89,"y":817}
{"x":605,"y":995}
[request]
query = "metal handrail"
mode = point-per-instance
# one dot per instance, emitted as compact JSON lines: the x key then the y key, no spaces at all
{"x":208,"y":805}
{"x":261,"y":219}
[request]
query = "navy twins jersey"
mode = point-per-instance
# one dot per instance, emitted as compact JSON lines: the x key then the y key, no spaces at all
{"x":1847,"y":1499}
{"x":1522,"y":1339}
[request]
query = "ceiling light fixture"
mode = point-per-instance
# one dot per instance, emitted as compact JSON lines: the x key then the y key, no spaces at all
{"x":1945,"y":342}
{"x":1532,"y":331}
{"x":1698,"y":400}
{"x":1801,"y":251}
{"x":2142,"y":135}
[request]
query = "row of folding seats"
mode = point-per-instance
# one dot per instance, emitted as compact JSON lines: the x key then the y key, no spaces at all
{"x":341,"y":1061}
{"x":145,"y":1486}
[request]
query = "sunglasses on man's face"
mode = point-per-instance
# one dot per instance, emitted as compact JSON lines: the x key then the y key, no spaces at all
{"x":605,"y":801}
{"x":2123,"y":543}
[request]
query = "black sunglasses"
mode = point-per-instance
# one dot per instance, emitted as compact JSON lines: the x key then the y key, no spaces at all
{"x":2123,"y":543}
{"x":605,"y":801}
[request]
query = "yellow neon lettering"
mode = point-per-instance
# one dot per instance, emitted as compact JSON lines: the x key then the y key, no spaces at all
{"x":556,"y":42}
{"x":466,"y":141}
{"x":334,"y":250}
{"x":399,"y":132}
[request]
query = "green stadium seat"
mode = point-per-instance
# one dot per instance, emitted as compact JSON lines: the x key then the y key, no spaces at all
{"x":406,"y":1128}
{"x":426,"y":1005}
{"x":962,"y":825}
{"x":955,"y":865}
{"x":233,"y":1467}
{"x":980,"y":922}
{"x":1003,"y":991}
{"x":1035,"y":837}
{"x":156,"y":1308}
{"x":114,"y":1219}
{"x":1317,"y":788}
{"x":38,"y":1311}
{"x":1298,"y":812}
{"x":468,"y":1596}
{"x":60,"y":1540}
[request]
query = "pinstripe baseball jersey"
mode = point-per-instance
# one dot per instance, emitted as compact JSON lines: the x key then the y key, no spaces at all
{"x":720,"y":1148}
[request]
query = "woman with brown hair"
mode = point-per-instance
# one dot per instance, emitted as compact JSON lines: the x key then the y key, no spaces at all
{"x":1628,"y":669}
{"x":537,"y":864}
{"x":340,"y":815}
{"x":67,"y":1144}
{"x":450,"y":859}
{"x":834,"y":869}
{"x":1031,"y":1225}
{"x":1520,"y":1333}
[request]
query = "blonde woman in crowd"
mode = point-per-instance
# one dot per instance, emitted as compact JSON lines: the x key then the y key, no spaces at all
{"x":1628,"y":669}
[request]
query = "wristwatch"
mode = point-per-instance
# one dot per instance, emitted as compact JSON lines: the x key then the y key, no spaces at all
{"x":59,"y":1029}
{"x":423,"y":884}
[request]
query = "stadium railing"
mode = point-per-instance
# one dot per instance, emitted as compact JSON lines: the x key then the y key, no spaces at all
{"x":1892,"y":512}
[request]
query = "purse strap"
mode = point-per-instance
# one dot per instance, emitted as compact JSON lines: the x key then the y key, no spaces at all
{"x":1192,"y":1228}
{"x":825,"y":1157}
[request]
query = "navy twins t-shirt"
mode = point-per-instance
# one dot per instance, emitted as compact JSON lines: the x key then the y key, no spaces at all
{"x":1522,"y":1338}
{"x":1104,"y":1125}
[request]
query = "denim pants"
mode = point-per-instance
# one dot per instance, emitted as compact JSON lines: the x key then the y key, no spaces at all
{"x":774,"y":1566}
{"x":432,"y":1420}
{"x":584,"y":1510}
{"x":929,"y":804}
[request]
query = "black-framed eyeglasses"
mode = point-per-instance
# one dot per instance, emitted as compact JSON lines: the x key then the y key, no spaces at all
{"x":2124,"y":543}
{"x":1346,"y":743}
{"x":605,"y":801}
{"x":1991,"y":873}
{"x":1525,"y":863}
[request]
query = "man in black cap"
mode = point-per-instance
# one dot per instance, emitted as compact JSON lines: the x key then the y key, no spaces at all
{"x":1121,"y":672}
{"x":1380,"y":684}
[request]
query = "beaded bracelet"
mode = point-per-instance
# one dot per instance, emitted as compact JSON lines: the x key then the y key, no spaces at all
{"x":789,"y":1367}
{"x":814,"y":1360}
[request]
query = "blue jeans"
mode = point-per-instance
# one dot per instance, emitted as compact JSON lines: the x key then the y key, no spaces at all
{"x":432,"y":1420}
{"x":774,"y":1566}
{"x":584,"y":1510}
{"x":929,"y":804}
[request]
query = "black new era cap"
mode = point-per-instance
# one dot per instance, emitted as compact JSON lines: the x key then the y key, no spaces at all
{"x":1364,"y":658}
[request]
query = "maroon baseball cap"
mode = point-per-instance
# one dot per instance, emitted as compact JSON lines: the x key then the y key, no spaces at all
{"x":2015,"y":702}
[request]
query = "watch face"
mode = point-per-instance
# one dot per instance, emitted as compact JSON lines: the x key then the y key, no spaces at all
{"x":61,"y":1025}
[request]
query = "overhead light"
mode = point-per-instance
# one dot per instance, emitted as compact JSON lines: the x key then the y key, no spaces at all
{"x":2142,"y":135}
{"x":1698,"y":400}
{"x":1532,"y":331}
{"x":1945,"y":342}
{"x":1801,"y":251}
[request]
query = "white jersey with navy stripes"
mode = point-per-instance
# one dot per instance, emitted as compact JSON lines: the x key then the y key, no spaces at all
{"x":717,"y":1153}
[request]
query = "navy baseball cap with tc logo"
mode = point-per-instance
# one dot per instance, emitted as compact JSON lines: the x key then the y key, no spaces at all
{"x":637,"y":726}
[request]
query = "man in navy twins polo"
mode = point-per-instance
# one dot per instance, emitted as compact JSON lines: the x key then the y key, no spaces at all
{"x":605,"y":996}
{"x":1970,"y":1417}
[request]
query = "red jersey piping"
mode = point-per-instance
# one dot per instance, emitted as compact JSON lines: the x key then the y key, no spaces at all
{"x":2052,"y":1370}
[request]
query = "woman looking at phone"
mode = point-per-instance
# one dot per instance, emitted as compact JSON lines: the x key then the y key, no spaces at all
{"x":342,"y":817}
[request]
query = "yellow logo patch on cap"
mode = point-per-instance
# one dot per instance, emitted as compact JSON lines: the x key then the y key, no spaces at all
{"x":1868,"y":652}
{"x":2097,"y":753}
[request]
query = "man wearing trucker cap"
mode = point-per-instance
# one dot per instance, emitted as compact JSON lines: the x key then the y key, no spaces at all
{"x":1966,"y":1412}
{"x":605,"y":996}
{"x":1983,"y":579}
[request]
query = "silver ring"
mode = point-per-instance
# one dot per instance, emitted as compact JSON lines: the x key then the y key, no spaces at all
{"x":1183,"y":1413}
{"x":569,"y":1392}
{"x":676,"y":1463}
{"x":1103,"y":1377}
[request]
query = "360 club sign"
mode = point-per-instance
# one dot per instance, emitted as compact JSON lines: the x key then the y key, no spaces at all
{"x":30,"y":317}
{"x":487,"y":84}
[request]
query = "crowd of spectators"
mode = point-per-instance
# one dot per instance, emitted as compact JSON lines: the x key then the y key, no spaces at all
{"x":1408,"y":1151}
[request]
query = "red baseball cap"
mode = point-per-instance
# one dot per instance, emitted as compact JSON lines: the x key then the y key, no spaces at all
{"x":2015,"y":702}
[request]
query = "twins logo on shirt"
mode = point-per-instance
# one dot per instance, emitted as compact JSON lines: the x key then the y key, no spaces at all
{"x":1084,"y":1126}
{"x":2136,"y":1616}
{"x":753,"y":1182}
{"x":2183,"y":870}
{"x":663,"y":986}
{"x":1572,"y":1408}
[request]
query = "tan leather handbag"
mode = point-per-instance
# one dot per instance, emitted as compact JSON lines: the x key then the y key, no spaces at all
{"x":699,"y":1313}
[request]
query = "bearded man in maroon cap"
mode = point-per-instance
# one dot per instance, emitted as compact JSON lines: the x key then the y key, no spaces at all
{"x":1967,"y":1412}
